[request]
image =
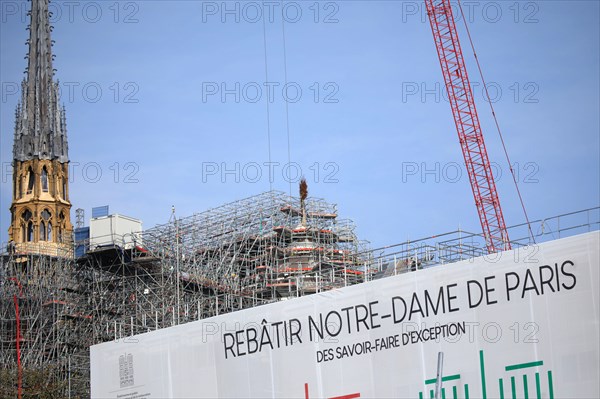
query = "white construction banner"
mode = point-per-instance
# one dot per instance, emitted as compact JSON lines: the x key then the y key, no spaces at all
{"x":520,"y":324}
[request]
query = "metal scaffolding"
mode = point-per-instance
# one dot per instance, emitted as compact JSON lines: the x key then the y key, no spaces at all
{"x":45,"y":325}
{"x":261,"y":248}
{"x":250,"y":252}
{"x":246,"y":253}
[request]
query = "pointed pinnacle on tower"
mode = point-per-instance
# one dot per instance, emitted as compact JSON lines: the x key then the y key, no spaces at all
{"x":39,"y":115}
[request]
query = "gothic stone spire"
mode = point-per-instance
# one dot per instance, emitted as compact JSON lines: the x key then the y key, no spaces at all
{"x":40,"y":129}
{"x":41,"y":221}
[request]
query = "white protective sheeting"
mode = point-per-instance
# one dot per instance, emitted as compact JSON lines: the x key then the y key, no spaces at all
{"x":524,"y":320}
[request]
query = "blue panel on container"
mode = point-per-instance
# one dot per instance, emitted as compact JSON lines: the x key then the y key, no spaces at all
{"x":100,"y":211}
{"x":82,"y":233}
{"x":79,"y":251}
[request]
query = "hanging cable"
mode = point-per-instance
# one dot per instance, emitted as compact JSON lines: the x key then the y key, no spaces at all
{"x":287,"y":114}
{"x":268,"y":108}
{"x":512,"y":172}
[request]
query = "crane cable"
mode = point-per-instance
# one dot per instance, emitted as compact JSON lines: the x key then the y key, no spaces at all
{"x":287,"y":113}
{"x":285,"y":99}
{"x":268,"y":109}
{"x":497,"y":124}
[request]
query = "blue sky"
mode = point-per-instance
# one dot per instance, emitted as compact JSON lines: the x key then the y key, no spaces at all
{"x":143,"y":84}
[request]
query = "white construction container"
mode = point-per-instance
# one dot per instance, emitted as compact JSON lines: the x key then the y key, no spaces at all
{"x":124,"y":231}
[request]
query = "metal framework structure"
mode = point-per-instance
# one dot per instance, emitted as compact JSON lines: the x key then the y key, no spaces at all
{"x":239,"y":255}
{"x":264,"y":247}
{"x":45,"y":327}
{"x":257,"y":250}
{"x":467,"y":124}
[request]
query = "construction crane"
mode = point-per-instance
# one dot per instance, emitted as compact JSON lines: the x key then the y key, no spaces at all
{"x":467,"y":124}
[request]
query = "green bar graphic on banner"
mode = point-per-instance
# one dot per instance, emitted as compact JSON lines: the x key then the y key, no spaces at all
{"x":444,"y":379}
{"x":483,"y":388}
{"x":513,"y":388}
{"x":524,"y":365}
{"x":513,"y":381}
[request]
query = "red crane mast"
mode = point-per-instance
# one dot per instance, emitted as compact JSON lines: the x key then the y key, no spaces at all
{"x":467,"y":124}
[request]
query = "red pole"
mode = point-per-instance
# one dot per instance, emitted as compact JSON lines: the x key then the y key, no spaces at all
{"x":18,"y":340}
{"x":20,"y":370}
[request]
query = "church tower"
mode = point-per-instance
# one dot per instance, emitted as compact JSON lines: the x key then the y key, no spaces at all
{"x":41,"y":221}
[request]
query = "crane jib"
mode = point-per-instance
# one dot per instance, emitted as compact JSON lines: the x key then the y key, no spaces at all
{"x":467,"y":124}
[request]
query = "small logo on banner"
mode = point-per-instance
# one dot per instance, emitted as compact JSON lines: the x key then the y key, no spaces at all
{"x":126,"y":370}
